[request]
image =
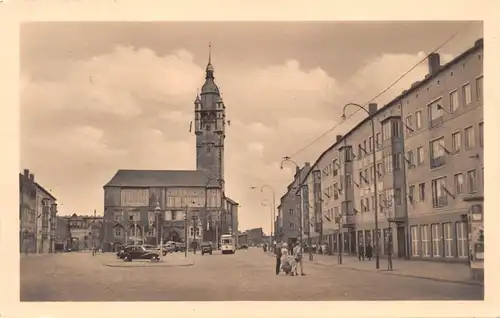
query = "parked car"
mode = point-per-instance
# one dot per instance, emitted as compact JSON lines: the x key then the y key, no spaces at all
{"x":122,"y":250}
{"x":139,"y":252}
{"x":206,"y":247}
{"x":243,"y":246}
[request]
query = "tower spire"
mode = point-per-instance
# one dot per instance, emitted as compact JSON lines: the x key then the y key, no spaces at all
{"x":209,"y":52}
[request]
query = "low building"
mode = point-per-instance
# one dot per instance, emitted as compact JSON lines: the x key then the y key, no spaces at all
{"x":82,"y":231}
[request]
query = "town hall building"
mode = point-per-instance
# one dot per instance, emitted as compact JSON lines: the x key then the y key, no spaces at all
{"x":142,"y":206}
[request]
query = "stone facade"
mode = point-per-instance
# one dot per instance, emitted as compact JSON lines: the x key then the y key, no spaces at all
{"x":37,"y":215}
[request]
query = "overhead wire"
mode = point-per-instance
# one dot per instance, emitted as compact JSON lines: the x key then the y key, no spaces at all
{"x":378,"y":95}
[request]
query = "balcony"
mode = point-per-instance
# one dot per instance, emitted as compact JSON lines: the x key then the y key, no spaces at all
{"x":435,"y":122}
{"x":437,"y":162}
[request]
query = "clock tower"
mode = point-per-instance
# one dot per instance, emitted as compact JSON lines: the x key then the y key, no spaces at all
{"x":210,"y":120}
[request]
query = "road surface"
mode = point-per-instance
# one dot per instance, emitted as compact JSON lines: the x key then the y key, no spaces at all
{"x":247,"y":275}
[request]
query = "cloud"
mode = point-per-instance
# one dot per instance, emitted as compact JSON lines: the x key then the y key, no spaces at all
{"x":131,"y":108}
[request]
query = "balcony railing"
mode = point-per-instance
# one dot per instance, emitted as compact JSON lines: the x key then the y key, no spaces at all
{"x":438,"y":162}
{"x":435,"y":122}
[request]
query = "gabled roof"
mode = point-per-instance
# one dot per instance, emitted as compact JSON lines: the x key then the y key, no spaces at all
{"x":161,"y":178}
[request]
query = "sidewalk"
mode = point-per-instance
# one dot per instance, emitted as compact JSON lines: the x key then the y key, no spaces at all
{"x":445,"y":272}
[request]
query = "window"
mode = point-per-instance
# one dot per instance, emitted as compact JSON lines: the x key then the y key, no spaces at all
{"x":439,"y":198}
{"x":348,"y":181}
{"x":396,"y":129}
{"x":472,"y":181}
{"x":118,"y":232}
{"x":397,"y":196}
{"x":372,"y":173}
{"x":386,"y":130}
{"x":336,"y":211}
{"x":459,"y":183}
{"x":437,"y":152}
{"x":151,"y":231}
{"x":379,"y":169}
{"x":292,"y":226}
{"x":436,"y":240}
{"x":367,"y":204}
{"x":418,"y":119}
{"x":168,"y":215}
{"x":388,"y":163}
{"x":467,"y":95}
{"x":408,"y":124}
{"x":411,"y":193}
{"x":290,"y":211}
{"x":410,"y":159}
{"x":377,"y":139}
{"x":481,"y":136}
{"x":118,"y":216}
{"x":362,"y":205}
{"x":421,"y":192}
{"x":415,"y":242}
{"x":131,"y":217}
{"x":456,"y":142}
{"x":462,"y":249}
{"x":191,"y":232}
{"x":335,"y":168}
{"x":420,"y":156}
{"x":397,"y":161}
{"x":424,"y":236}
{"x":448,"y":238}
{"x":335,"y":191}
{"x":370,"y":146}
{"x":435,"y":113}
{"x":469,"y":138}
{"x":454,"y":104}
{"x":479,"y":88}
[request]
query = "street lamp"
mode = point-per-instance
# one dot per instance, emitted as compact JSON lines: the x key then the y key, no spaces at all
{"x":273,"y":210}
{"x":374,"y":156}
{"x":158,"y":227}
{"x":338,"y":220}
{"x":270,"y":236}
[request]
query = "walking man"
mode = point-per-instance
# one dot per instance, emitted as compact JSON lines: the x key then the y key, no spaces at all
{"x":277,"y":253}
{"x":361,"y":252}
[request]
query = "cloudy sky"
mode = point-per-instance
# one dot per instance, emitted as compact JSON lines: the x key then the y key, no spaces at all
{"x":97,"y":97}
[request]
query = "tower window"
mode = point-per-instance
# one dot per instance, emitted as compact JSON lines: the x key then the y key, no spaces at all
{"x":208,"y":127}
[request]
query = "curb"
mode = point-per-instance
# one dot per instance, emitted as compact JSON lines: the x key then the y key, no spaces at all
{"x":385,"y":272}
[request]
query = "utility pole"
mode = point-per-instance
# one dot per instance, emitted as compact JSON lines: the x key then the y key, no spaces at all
{"x":195,"y":227}
{"x":185,"y":230}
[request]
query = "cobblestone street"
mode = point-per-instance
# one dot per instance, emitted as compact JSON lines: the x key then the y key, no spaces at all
{"x":246,"y":275}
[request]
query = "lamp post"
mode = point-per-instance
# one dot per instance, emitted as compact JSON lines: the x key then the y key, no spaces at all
{"x":159,"y":232}
{"x":270,"y":236}
{"x":185,"y":232}
{"x":338,"y":220}
{"x":309,"y":241}
{"x":273,"y":210}
{"x":374,"y":156}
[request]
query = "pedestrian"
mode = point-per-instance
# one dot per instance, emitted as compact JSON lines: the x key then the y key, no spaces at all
{"x":297,"y":254}
{"x":361,"y":252}
{"x":278,"y":254}
{"x":369,"y":251}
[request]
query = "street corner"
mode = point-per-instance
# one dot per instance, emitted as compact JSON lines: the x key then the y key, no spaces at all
{"x":177,"y":262}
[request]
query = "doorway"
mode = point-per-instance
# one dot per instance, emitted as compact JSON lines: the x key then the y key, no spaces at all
{"x":401,"y":236}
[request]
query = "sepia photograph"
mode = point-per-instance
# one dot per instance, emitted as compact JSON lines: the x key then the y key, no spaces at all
{"x":251,"y":161}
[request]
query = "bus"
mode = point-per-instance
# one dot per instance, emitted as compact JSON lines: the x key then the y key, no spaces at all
{"x":227,"y":244}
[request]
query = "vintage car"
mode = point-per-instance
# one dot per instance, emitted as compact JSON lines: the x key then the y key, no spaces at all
{"x":139,"y":252}
{"x":122,"y":250}
{"x":206,"y":248}
{"x":156,"y":248}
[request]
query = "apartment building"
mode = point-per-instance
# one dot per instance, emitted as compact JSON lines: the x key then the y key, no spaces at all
{"x":422,"y":168}
{"x":288,"y":210}
{"x":444,"y":147}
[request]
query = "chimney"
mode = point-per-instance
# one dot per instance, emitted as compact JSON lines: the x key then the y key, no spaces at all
{"x":479,"y":42}
{"x":307,"y":164}
{"x":434,"y":63}
{"x":297,"y":170}
{"x":338,"y":138}
{"x":26,"y":173}
{"x":32,"y":177}
{"x":372,"y":108}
